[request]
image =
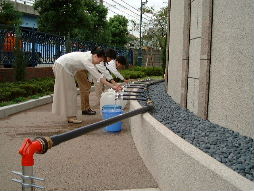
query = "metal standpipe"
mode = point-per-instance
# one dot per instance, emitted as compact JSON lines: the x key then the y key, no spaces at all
{"x":27,"y":180}
{"x":27,"y":151}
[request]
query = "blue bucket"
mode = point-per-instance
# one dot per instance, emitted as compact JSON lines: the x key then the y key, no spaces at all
{"x":109,"y":113}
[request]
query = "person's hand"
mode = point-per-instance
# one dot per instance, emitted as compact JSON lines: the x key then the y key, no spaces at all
{"x":126,"y":81}
{"x":117,"y":88}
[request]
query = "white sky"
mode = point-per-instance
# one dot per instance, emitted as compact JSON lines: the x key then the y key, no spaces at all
{"x":131,"y":10}
{"x":120,"y":6}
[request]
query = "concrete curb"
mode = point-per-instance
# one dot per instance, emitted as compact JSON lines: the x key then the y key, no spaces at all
{"x":175,"y":164}
{"x":15,"y":108}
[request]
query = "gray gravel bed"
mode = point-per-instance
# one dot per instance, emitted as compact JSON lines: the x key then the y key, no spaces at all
{"x":225,"y":145}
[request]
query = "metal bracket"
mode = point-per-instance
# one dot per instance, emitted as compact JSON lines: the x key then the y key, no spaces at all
{"x":29,"y":178}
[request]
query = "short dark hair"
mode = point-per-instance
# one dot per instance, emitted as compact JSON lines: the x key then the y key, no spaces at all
{"x":121,"y":60}
{"x":111,"y":53}
{"x":97,"y":50}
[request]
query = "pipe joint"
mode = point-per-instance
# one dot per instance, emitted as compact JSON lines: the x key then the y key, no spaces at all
{"x":46,"y":144}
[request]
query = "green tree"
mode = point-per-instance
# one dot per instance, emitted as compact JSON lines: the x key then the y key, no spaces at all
{"x":119,"y":31}
{"x":155,"y":34}
{"x":20,"y":62}
{"x":8,"y":14}
{"x":80,"y":19}
{"x":61,"y":17}
{"x":97,"y":29}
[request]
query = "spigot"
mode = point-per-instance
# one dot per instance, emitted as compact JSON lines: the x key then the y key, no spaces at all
{"x":40,"y":145}
{"x":118,"y":95}
{"x":27,"y":151}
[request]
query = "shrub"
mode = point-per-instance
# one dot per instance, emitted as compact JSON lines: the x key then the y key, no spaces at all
{"x":132,"y":74}
{"x":30,"y":88}
{"x":5,"y":94}
{"x":140,"y":72}
{"x":15,"y":91}
{"x":154,"y":71}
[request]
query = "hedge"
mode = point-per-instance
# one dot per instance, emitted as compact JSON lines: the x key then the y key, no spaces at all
{"x":141,"y":72}
{"x":12,"y":90}
{"x":17,"y":91}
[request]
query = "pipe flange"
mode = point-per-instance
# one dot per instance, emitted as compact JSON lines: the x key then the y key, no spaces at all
{"x":50,"y":142}
{"x":46,"y":143}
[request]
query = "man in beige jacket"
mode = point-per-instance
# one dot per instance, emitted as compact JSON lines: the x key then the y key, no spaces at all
{"x":106,"y":67}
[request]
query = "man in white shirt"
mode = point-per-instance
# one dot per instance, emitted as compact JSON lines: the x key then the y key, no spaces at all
{"x":108,"y":68}
{"x":65,"y":91}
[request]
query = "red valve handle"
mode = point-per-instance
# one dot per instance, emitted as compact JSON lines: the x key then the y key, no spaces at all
{"x":27,"y":151}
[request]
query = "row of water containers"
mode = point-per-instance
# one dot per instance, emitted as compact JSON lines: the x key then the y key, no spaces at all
{"x":111,"y":107}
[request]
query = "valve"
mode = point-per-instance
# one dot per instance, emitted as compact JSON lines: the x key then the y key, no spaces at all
{"x":27,"y":151}
{"x":40,"y":145}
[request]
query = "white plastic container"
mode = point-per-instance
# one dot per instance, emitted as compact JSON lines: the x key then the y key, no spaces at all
{"x":108,"y":98}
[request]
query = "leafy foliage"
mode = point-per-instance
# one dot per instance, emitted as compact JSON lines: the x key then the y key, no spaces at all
{"x":118,"y":29}
{"x":156,"y":36}
{"x":97,"y":15}
{"x":81,"y":19}
{"x":61,"y":17}
{"x":20,"y":59}
{"x":141,"y":72}
{"x":13,"y":90}
{"x":8,"y":14}
{"x":156,"y":32}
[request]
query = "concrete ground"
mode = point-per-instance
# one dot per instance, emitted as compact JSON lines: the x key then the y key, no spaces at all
{"x":95,"y":161}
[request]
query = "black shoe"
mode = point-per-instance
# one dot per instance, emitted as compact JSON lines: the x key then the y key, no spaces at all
{"x":88,"y":112}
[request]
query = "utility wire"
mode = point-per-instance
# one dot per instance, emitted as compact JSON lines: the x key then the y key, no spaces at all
{"x":121,"y":13}
{"x":127,"y":8}
{"x":113,"y":6}
{"x":136,"y":9}
{"x":124,"y":7}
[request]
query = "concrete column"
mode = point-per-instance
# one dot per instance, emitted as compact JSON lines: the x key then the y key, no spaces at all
{"x":178,"y":50}
{"x":205,"y":58}
{"x":185,"y":54}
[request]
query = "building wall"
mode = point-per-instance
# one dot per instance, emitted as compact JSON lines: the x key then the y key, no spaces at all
{"x":231,"y":100}
{"x":29,"y":15}
{"x":214,"y":75}
{"x":29,"y":21}
{"x":8,"y":74}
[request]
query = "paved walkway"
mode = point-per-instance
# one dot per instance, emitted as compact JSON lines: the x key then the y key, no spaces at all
{"x":94,"y":161}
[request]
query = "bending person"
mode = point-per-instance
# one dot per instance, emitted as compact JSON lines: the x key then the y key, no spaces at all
{"x":108,"y":68}
{"x":65,"y":91}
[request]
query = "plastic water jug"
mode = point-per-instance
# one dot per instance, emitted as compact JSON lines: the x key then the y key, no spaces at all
{"x":108,"y":98}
